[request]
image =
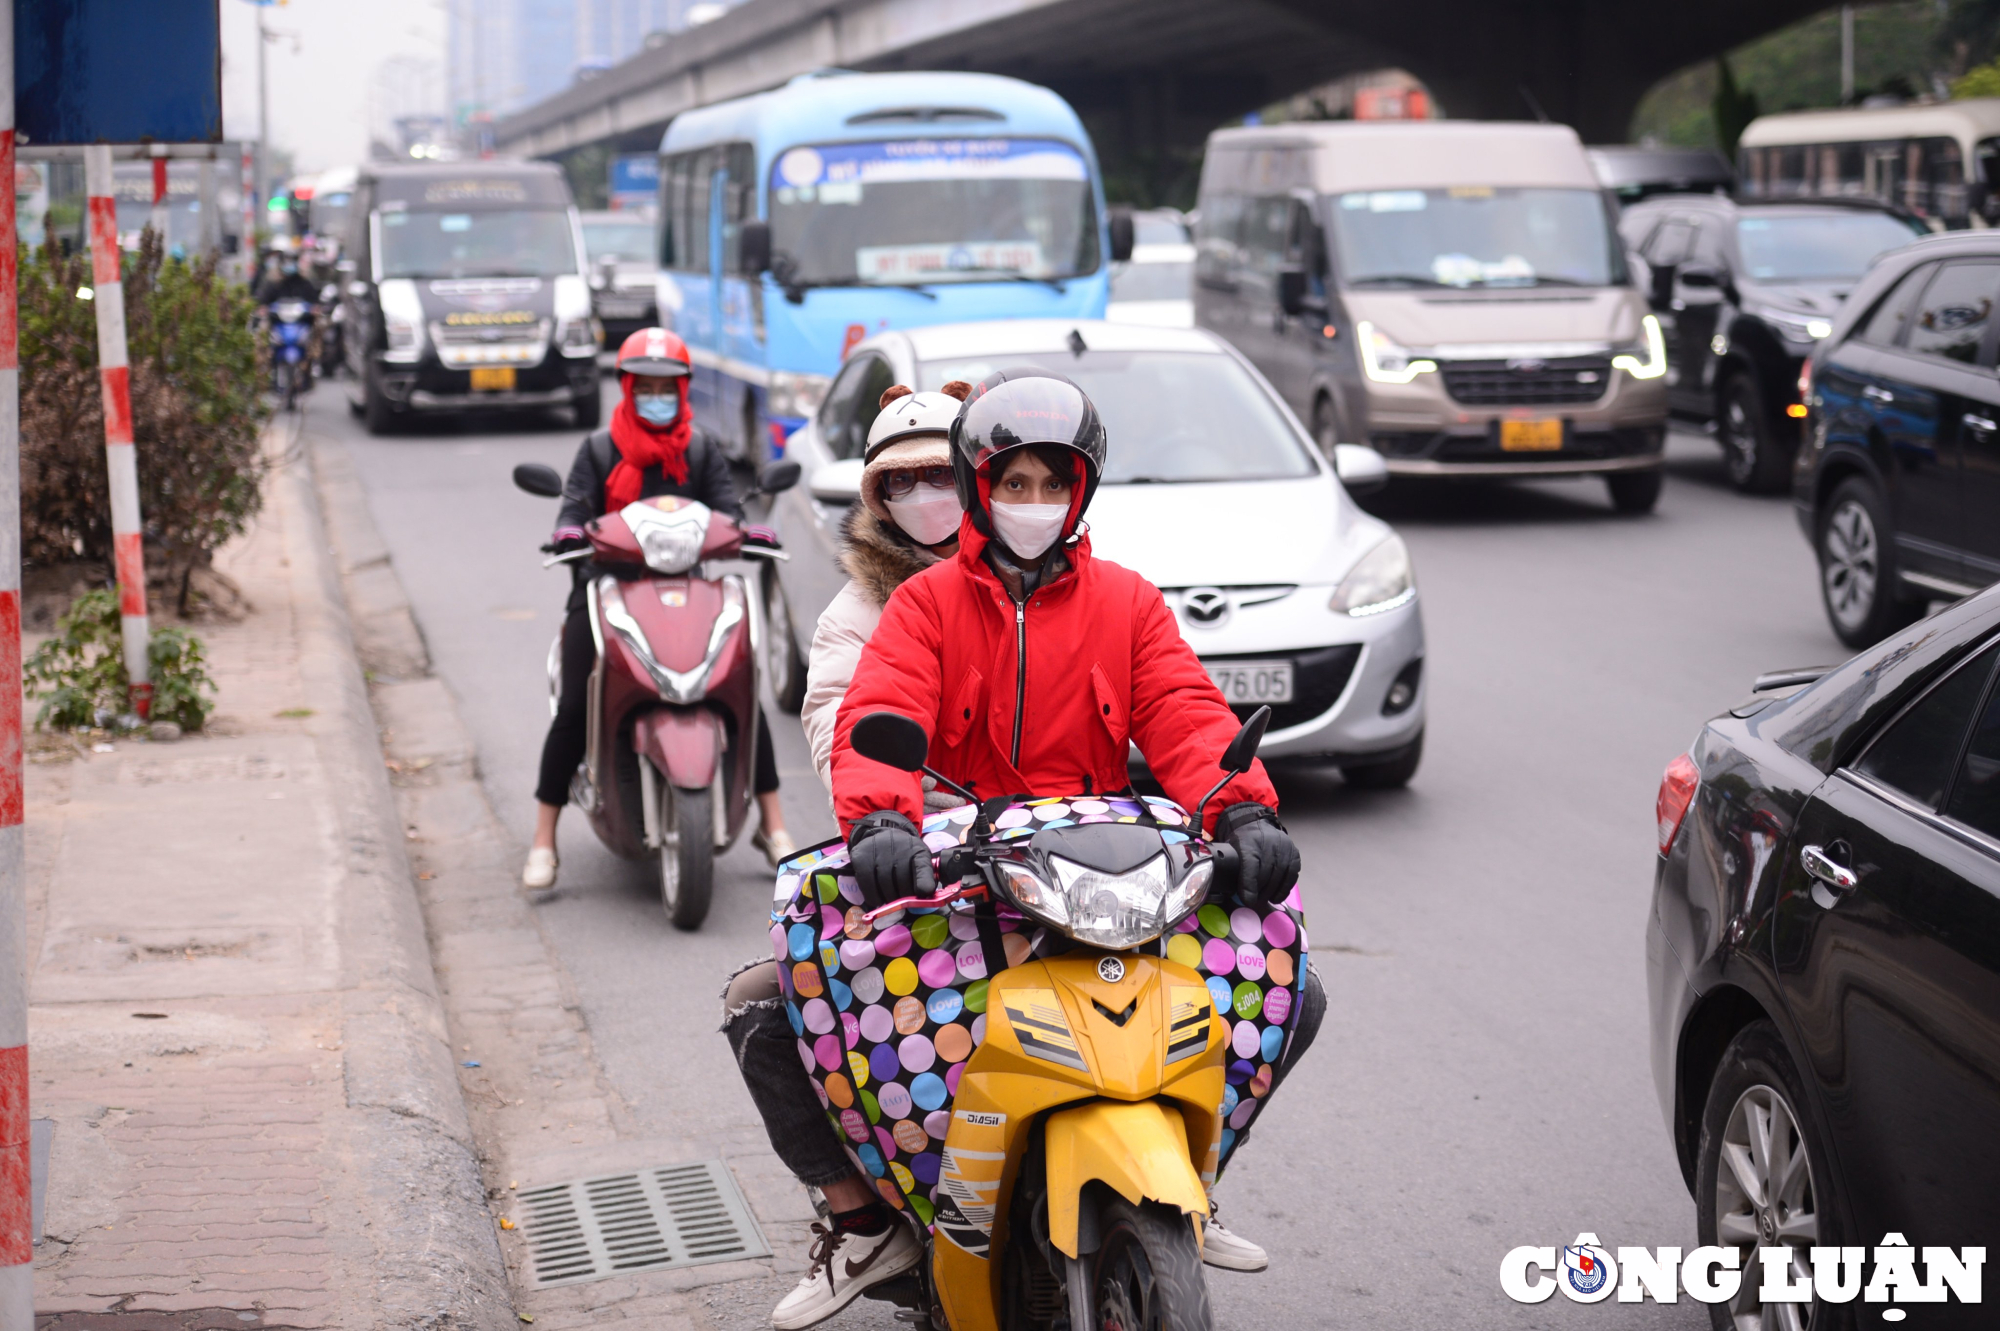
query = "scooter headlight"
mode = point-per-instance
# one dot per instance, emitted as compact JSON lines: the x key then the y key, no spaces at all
{"x":670,"y":541}
{"x":1109,"y":910}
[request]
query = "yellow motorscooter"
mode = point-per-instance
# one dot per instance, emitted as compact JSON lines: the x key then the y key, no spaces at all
{"x":1071,"y":1189}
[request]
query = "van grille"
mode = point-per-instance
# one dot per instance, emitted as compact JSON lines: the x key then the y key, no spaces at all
{"x":1526,"y":383}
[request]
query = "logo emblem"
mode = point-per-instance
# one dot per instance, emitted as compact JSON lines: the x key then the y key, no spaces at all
{"x":1527,"y":365}
{"x":1110,"y":970}
{"x":1587,"y":1270}
{"x":1207,"y":606}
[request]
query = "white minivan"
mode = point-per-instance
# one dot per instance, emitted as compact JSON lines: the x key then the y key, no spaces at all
{"x":1453,"y":294}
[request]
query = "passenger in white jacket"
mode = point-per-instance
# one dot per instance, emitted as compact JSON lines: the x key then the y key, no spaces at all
{"x":906,"y":521}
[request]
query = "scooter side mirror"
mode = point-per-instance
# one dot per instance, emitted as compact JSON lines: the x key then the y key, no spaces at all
{"x":538,"y":479}
{"x":892,"y":740}
{"x":779,"y":477}
{"x":1242,"y":750}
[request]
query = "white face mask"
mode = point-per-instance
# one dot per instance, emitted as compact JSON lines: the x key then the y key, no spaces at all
{"x":927,"y":514}
{"x":1029,"y":529}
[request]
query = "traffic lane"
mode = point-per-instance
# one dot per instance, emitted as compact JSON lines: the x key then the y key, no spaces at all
{"x":464,"y":541}
{"x":1483,"y":1079}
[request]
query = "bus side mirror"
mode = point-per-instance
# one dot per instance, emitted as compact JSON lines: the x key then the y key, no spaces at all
{"x":1292,"y":291}
{"x":1121,"y":234}
{"x":753,"y":248}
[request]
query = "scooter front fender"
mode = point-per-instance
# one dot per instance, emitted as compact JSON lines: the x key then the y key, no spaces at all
{"x":1139,"y":1150}
{"x":685,"y":743}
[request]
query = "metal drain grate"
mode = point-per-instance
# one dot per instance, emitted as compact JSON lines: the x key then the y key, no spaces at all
{"x":652,"y":1220}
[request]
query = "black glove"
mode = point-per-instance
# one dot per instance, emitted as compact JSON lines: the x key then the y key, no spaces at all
{"x":1269,"y":861}
{"x":890,"y":860}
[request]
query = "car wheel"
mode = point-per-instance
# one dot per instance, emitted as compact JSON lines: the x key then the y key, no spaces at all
{"x":1392,"y":775}
{"x":786,"y":666}
{"x":1635,"y":491}
{"x":1761,"y":1180}
{"x":1857,"y":567}
{"x":1755,"y":461}
{"x":376,"y":413}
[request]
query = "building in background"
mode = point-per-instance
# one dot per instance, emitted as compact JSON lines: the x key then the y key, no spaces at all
{"x":502,"y":55}
{"x":406,"y":109}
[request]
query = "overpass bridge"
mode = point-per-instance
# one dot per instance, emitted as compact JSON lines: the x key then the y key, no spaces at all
{"x":1151,"y":78}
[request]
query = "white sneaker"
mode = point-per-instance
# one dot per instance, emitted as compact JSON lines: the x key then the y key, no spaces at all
{"x":843,"y":1265}
{"x":1230,"y":1252}
{"x":777,"y":846}
{"x":540,"y":871}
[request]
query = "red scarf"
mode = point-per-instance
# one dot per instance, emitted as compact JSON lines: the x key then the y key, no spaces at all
{"x":641,"y":446}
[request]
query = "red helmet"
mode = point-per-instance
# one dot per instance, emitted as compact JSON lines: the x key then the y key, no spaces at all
{"x":653,"y":351}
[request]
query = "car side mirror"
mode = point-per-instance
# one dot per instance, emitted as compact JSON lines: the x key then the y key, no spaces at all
{"x":893,"y":740}
{"x":1360,"y":468}
{"x":779,"y":477}
{"x":838,"y":482}
{"x":1122,"y":232}
{"x":538,"y":479}
{"x":1292,"y":291}
{"x":1662,"y":293}
{"x":753,"y":248}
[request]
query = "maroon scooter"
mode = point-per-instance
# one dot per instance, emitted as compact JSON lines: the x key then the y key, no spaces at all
{"x":676,"y":606}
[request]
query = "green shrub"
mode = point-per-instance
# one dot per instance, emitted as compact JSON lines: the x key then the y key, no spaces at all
{"x":80,"y":672}
{"x":197,"y":410}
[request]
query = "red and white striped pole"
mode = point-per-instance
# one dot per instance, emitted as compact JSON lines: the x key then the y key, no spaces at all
{"x":108,"y":295}
{"x":17,"y":1240}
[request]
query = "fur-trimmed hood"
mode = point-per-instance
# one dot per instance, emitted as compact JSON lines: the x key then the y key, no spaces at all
{"x":878,"y":557}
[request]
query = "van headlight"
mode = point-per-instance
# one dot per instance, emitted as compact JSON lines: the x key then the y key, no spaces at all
{"x":1385,"y":360}
{"x":1382,"y":580}
{"x":1115,"y":911}
{"x":402,"y":320}
{"x":1647,"y":360}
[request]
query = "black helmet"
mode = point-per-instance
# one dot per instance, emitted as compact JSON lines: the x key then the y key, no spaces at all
{"x":1010,"y":408}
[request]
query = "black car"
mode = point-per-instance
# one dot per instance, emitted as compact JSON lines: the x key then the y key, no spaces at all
{"x":1823,"y":958}
{"x":1744,"y":292}
{"x":1898,"y":487}
{"x":463,"y":287}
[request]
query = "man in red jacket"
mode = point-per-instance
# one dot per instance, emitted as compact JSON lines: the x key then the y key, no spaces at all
{"x":1031,"y":664}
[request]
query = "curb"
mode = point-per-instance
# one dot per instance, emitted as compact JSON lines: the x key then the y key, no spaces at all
{"x":436,"y":1260}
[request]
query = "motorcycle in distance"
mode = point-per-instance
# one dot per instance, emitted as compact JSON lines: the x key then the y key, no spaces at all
{"x":291,"y":324}
{"x":671,"y":738}
{"x":1091,"y":1110}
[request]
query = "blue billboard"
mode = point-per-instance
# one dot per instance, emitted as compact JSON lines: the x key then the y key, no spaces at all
{"x":635,"y":181}
{"x":115,"y":71}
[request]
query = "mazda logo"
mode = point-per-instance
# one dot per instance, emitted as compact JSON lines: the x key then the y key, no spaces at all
{"x":1205,"y":605}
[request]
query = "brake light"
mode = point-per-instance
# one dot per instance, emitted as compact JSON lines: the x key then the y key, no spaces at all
{"x":1677,"y":790}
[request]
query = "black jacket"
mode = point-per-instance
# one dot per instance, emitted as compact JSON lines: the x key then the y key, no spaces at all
{"x":583,"y":493}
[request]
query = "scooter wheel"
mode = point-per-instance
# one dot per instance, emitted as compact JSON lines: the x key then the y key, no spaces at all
{"x":1147,"y":1270}
{"x":687,"y":855}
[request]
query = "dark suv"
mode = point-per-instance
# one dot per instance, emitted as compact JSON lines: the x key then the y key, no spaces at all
{"x":1898,"y":487}
{"x":1744,"y":291}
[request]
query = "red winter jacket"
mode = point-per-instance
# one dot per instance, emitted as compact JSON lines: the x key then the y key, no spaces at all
{"x":1105,"y":663}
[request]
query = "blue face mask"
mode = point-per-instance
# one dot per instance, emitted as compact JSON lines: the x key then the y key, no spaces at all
{"x":657,"y":408}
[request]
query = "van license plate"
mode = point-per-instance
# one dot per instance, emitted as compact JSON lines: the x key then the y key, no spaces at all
{"x":1543,"y":436}
{"x":1248,"y":683}
{"x":493,"y":380}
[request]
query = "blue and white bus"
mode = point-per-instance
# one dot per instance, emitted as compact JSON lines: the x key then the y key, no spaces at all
{"x":796,"y":222}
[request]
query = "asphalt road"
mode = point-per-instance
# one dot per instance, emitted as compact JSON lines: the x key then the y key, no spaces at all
{"x":1482,"y":1080}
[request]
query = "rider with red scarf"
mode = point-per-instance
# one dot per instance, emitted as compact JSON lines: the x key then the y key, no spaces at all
{"x":652,"y":448}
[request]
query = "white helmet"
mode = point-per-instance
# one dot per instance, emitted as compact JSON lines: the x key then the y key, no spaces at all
{"x":911,"y":414}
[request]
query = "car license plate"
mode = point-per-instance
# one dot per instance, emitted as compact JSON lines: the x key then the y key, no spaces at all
{"x":1543,"y":436}
{"x":1247,"y":683}
{"x":493,"y":380}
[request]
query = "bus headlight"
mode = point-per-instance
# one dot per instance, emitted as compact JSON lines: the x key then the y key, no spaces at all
{"x":1652,"y":346}
{"x":402,"y":320}
{"x":1386,"y":361}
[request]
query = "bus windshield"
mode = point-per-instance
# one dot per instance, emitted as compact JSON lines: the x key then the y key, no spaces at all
{"x":919,"y":211}
{"x":525,"y":242}
{"x":628,"y":240}
{"x":1477,"y":236}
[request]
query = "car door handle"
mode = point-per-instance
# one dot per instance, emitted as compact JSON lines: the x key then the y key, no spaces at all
{"x":1980,"y":423}
{"x":1877,"y":394}
{"x":1829,"y":873}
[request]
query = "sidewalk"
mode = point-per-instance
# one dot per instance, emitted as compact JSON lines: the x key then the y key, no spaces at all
{"x":234,"y":1023}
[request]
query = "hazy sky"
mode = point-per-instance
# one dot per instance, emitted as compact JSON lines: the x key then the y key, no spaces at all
{"x":319,"y":68}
